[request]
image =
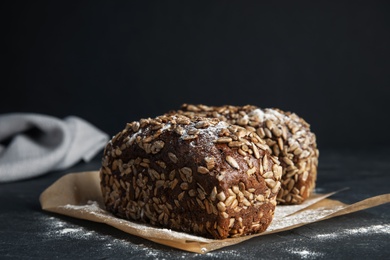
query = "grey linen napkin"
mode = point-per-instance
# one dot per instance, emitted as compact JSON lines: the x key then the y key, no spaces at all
{"x":33,"y":144}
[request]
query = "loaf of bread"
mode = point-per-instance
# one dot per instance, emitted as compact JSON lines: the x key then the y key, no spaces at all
{"x":287,"y":135}
{"x":197,"y":175}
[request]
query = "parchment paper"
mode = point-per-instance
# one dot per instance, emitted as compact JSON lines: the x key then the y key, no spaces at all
{"x":78,"y":195}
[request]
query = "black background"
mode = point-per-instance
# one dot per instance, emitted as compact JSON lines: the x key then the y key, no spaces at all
{"x":112,"y":62}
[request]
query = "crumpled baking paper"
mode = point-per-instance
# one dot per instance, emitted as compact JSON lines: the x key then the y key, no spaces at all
{"x":78,"y":195}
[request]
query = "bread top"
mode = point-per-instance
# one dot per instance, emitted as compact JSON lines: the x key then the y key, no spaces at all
{"x":269,"y":123}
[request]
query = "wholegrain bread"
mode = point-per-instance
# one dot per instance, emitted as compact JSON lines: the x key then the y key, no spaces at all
{"x":198,"y":175}
{"x":287,"y":135}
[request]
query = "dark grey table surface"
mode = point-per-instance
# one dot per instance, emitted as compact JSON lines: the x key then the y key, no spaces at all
{"x":28,"y":232}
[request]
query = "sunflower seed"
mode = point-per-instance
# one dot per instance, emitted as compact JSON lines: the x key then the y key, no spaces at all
{"x":229,"y":200}
{"x":201,"y":196}
{"x":265,"y":163}
{"x":187,"y":171}
{"x":180,"y":130}
{"x":276,"y":188}
{"x":181,"y":195}
{"x":268,"y":175}
{"x":224,"y":140}
{"x":302,"y":190}
{"x":213,"y":194}
{"x":251,"y":171}
{"x":189,"y":137}
{"x":193,"y":131}
{"x":277,"y":170}
{"x":192,"y":193}
{"x":270,"y":183}
{"x":203,"y":170}
{"x":184,"y":186}
{"x":157,"y":146}
{"x":246,"y":202}
{"x":267,"y":132}
{"x":210,"y":162}
{"x":172,"y":175}
{"x":232,"y":162}
{"x":221,"y":206}
{"x":236,"y":189}
{"x":287,"y":161}
{"x":305,"y":175}
{"x":235,"y":144}
{"x":260,"y":132}
{"x":208,"y":208}
{"x":276,"y":132}
{"x":255,"y":151}
{"x":135,"y":126}
{"x":290,"y":185}
{"x":200,"y":203}
{"x":221,"y":196}
{"x":224,"y":215}
{"x":234,"y":204}
{"x":242,"y":152}
{"x":202,"y":124}
{"x":231,"y":222}
{"x":269,"y":124}
{"x":297,"y":151}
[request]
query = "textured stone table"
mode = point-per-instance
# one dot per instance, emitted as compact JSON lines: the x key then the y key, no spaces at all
{"x":28,"y":232}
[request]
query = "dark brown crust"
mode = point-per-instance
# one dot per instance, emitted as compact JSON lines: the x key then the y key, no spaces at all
{"x":288,"y":136}
{"x":160,"y":171}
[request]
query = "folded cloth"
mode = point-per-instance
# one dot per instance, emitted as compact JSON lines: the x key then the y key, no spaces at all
{"x":33,"y":144}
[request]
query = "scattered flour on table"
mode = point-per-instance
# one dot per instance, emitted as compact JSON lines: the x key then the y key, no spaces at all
{"x":306,"y":254}
{"x":55,"y":228}
{"x":58,"y":228}
{"x":76,"y":231}
{"x":374,"y":229}
{"x":226,"y":254}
